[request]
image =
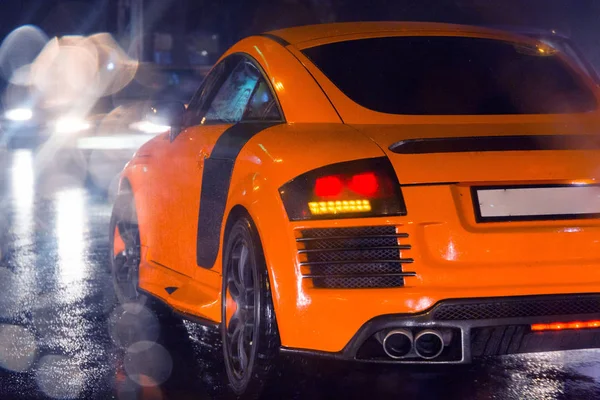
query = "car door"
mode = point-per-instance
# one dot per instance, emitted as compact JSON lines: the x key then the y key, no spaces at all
{"x":214,"y":111}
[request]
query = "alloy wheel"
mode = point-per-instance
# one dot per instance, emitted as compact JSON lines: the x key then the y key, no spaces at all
{"x":241,"y":306}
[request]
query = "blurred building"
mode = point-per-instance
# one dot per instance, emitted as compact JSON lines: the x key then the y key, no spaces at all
{"x":183,"y":33}
{"x":169,"y":32}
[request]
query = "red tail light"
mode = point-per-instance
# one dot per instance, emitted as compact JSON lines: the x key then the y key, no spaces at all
{"x":365,"y":184}
{"x":560,"y":326}
{"x":329,"y":186}
{"x":358,"y":188}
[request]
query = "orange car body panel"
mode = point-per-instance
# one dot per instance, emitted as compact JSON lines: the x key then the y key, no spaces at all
{"x":454,"y":256}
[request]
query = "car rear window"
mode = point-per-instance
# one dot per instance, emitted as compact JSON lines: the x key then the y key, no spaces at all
{"x":439,"y":75}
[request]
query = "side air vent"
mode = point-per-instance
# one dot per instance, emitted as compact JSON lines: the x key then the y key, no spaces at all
{"x":354,"y":258}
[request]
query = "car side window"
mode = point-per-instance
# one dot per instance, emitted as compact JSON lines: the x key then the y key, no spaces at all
{"x":230,"y":101}
{"x":262,"y":105}
{"x":203,"y":92}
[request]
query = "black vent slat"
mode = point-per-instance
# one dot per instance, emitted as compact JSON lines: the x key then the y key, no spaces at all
{"x":397,"y":261}
{"x":358,"y":276}
{"x":353,"y":243}
{"x":401,"y":247}
{"x":498,"y":309}
{"x":357,"y":257}
{"x":349,"y":232}
{"x":397,"y":236}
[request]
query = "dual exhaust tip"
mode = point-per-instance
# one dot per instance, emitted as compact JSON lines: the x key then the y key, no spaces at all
{"x":427,"y":344}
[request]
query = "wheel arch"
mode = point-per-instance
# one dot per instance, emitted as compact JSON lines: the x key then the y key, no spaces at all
{"x":127,"y":184}
{"x":239,"y":211}
{"x":272,"y":248}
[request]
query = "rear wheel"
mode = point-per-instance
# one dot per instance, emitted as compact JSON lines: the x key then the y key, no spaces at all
{"x":249,"y":328}
{"x":125,"y":250}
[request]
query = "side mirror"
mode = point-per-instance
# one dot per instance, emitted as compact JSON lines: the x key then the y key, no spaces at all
{"x":168,"y":115}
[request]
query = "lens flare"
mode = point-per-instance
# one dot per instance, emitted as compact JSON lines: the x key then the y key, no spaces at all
{"x":19,"y":49}
{"x":68,"y":125}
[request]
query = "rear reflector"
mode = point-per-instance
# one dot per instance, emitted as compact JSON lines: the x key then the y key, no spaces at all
{"x":560,"y":326}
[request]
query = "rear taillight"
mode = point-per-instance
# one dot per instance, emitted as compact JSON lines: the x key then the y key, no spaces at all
{"x":351,"y":189}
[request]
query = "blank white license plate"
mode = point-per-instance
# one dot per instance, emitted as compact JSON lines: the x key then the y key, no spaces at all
{"x":549,"y":202}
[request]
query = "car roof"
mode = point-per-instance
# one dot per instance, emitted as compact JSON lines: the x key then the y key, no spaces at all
{"x":327,"y":32}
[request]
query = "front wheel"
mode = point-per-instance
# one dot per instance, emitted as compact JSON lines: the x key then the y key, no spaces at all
{"x":249,"y":328}
{"x":125,"y":250}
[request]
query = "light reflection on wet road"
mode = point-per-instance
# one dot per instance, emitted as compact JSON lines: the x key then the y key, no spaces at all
{"x":63,"y":336}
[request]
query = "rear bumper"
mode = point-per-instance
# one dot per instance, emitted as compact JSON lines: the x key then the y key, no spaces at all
{"x":449,"y":255}
{"x":481,"y":327}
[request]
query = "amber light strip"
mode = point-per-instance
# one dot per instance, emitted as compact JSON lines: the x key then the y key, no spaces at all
{"x":339,"y":206}
{"x":559,"y":326}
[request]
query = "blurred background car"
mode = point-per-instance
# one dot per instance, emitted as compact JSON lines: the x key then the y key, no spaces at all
{"x":77,"y":100}
{"x":22,"y":121}
{"x":103,"y":141}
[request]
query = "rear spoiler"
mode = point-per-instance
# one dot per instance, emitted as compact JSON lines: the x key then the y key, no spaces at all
{"x":496,"y":143}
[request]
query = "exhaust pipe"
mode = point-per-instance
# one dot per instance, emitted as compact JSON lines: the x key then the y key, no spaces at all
{"x":429,"y":344}
{"x":398,"y":343}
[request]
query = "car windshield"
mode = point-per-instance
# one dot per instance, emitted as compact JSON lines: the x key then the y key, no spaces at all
{"x":443,"y":75}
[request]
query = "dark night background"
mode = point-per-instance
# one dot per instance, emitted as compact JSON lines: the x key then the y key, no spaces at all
{"x":232,"y":19}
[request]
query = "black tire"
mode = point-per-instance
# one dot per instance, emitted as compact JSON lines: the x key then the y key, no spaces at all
{"x":124,"y":263}
{"x":249,"y":328}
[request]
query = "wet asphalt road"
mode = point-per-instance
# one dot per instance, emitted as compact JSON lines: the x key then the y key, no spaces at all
{"x":62,"y":335}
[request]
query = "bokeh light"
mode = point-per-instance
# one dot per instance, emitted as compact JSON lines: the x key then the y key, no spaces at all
{"x":19,"y":49}
{"x":66,"y":74}
{"x":9,"y":302}
{"x":65,"y":71}
{"x":18,"y":348}
{"x":59,"y":377}
{"x":115,"y":68}
{"x":148,"y":363}
{"x":132,"y":323}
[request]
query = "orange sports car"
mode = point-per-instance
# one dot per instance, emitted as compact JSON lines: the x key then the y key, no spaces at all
{"x":382,"y":192}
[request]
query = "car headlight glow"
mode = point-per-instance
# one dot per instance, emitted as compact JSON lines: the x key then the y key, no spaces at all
{"x":149,"y":127}
{"x":19,"y":114}
{"x":71,"y":125}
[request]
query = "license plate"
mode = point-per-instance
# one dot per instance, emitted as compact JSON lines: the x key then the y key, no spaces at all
{"x":536,"y":203}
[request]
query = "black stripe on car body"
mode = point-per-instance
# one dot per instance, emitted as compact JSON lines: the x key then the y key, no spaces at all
{"x":216,"y":179}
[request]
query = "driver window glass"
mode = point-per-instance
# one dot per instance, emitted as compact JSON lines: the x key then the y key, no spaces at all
{"x":201,"y":96}
{"x":230,"y":101}
{"x":262,"y":105}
